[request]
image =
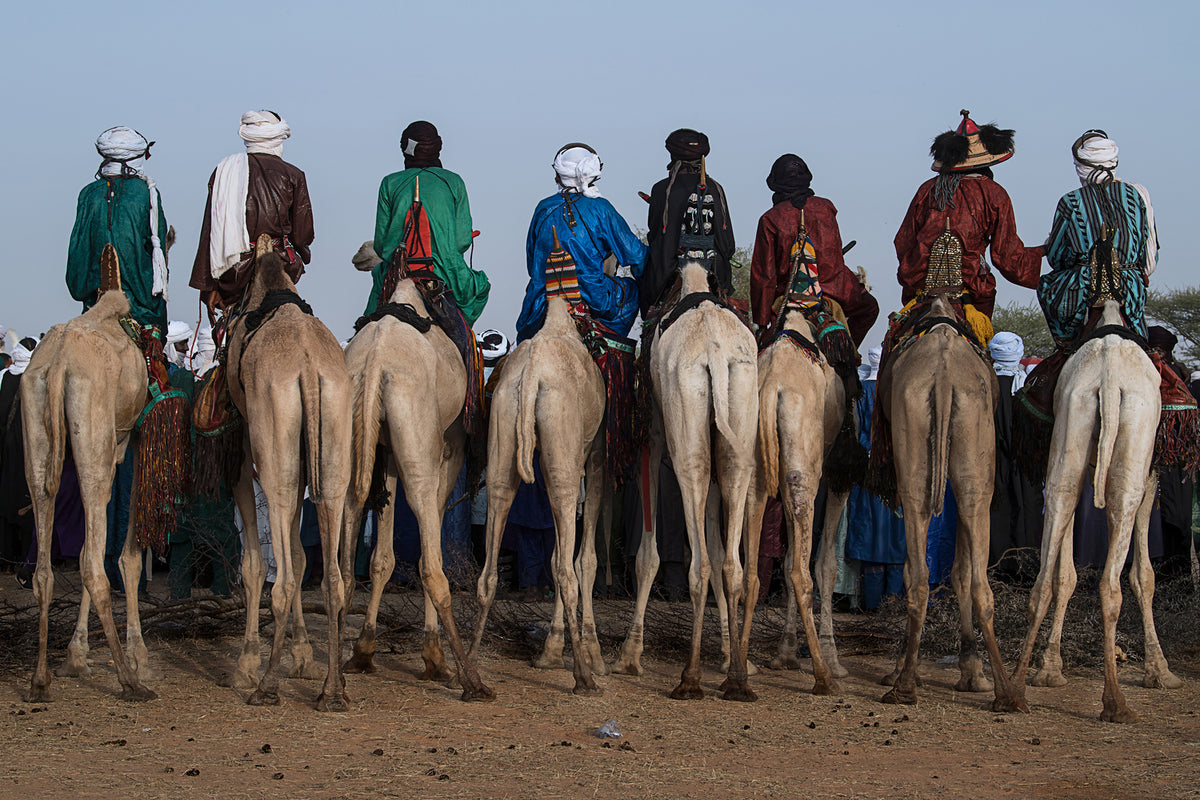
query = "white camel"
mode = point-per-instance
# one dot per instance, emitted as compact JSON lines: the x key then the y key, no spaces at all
{"x":409,"y":384}
{"x":703,"y":368}
{"x":550,"y":387}
{"x":1106,"y":412}
{"x":288,"y":379}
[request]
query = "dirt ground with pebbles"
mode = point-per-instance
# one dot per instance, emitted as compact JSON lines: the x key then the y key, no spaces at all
{"x":405,"y":738}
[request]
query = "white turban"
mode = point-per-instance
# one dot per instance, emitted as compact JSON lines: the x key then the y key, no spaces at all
{"x":492,"y":345}
{"x":201,"y":351}
{"x":578,"y":169}
{"x":873,"y":356}
{"x":178,"y":331}
{"x":1095,"y":161}
{"x":264,"y":132}
{"x":125,"y":149}
{"x":20,"y":359}
{"x":1007,"y":349}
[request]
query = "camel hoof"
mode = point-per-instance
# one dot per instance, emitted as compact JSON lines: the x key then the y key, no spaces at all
{"x":890,"y":679}
{"x":243,"y":680}
{"x":39,"y":694}
{"x":307,"y":671}
{"x":1008,"y":705}
{"x":822,"y":688}
{"x":586,"y":690}
{"x":137,"y":694}
{"x":1052,"y":679}
{"x":360,"y":664}
{"x":740,"y":694}
{"x":71,"y":670}
{"x":975,"y":683}
{"x":482,"y":694}
{"x":545,"y":662}
{"x":896,"y":698}
{"x":836,"y":669}
{"x":261,"y":698}
{"x":336,"y":703}
{"x":1162,"y":680}
{"x":434,"y":672}
{"x":686,"y":692}
{"x":627,"y":668}
{"x":1122,"y":714}
{"x":785,"y":662}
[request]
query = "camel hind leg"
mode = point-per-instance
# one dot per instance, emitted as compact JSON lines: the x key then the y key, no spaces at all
{"x":586,"y":562}
{"x":1141,"y":579}
{"x":76,"y":664}
{"x":383,"y":562}
{"x":501,"y":487}
{"x":304,"y":666}
{"x":835,"y":505}
{"x":1120,"y":529}
{"x":131,"y":575}
{"x":333,"y":695}
{"x":629,"y":662}
{"x":249,"y":661}
{"x":1065,"y":579}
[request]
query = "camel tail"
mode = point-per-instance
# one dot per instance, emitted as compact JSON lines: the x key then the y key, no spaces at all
{"x":526,"y":425}
{"x":56,"y":428}
{"x":366,"y":433}
{"x":310,"y":401}
{"x":941,"y":399}
{"x":768,"y":440}
{"x":1110,"y":413}
{"x":718,"y":381}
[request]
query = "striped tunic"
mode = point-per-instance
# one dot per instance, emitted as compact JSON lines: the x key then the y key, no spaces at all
{"x":1063,"y":292}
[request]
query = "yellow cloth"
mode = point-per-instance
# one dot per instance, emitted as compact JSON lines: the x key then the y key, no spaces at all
{"x":980,"y":323}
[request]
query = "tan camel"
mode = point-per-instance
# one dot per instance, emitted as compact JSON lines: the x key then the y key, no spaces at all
{"x":941,"y":404}
{"x":409,"y":387}
{"x":551,"y":388}
{"x":84,"y":389}
{"x":288,"y":379}
{"x":1106,"y":411}
{"x":703,"y":369}
{"x":801,"y":404}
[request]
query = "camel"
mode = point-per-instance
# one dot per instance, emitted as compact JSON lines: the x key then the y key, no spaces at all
{"x":1106,"y":412}
{"x":84,"y":389}
{"x":552,"y":389}
{"x":409,"y":383}
{"x":941,"y":403}
{"x":703,"y":369}
{"x":288,"y":379}
{"x":801,"y":402}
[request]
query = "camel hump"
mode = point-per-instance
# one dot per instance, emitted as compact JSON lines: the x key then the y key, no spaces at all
{"x":263,"y":245}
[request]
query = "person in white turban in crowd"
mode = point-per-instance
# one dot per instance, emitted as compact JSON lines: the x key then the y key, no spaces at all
{"x":202,"y":352}
{"x":122,"y":207}
{"x":178,"y":338}
{"x":249,"y":194}
{"x":1103,"y":206}
{"x":590,"y":229}
{"x":1016,"y":512}
{"x":494,"y":346}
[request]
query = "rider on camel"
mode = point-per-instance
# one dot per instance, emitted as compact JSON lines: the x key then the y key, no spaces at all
{"x":770,"y":267}
{"x":590,"y":229}
{"x":122,"y":207}
{"x":957,"y":215}
{"x":250,"y":194}
{"x":443,"y":196}
{"x":670,"y":200}
{"x":1104,"y":206}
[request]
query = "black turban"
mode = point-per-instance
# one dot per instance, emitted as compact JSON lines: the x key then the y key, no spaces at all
{"x":789,"y":180}
{"x":421,"y":145}
{"x":1162,"y":339}
{"x":686,"y":144}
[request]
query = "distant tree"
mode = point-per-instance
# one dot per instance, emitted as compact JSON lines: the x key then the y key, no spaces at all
{"x":1179,"y":310}
{"x":1028,"y":322}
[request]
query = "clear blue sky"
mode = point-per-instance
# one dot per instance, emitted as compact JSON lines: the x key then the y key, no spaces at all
{"x":858,"y":89}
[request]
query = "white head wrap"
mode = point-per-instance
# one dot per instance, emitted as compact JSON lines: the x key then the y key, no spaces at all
{"x":1007,"y":349}
{"x":578,"y":169}
{"x":873,"y":356}
{"x":20,"y":359}
{"x":264,"y":132}
{"x":178,"y":331}
{"x":1095,"y":161}
{"x":201,"y":351}
{"x":493,"y":344}
{"x":124,"y":150}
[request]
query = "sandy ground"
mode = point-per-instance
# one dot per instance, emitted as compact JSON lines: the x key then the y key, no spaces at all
{"x":404,"y":737}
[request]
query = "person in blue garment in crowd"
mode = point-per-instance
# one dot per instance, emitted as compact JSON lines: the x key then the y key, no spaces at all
{"x":591,"y":230}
